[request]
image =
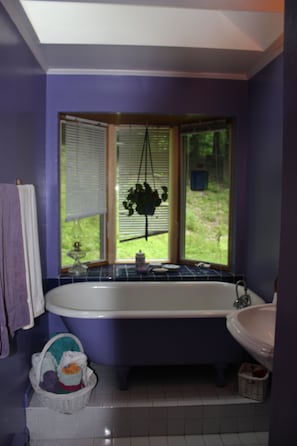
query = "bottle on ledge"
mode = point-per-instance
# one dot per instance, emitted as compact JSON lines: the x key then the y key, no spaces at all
{"x":140,"y":261}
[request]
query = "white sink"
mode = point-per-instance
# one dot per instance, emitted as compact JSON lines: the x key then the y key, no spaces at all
{"x":253,"y":328}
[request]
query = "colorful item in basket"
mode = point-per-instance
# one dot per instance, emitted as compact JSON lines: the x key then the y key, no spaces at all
{"x":70,"y":375}
{"x":50,"y":382}
{"x":70,"y":378}
{"x":71,"y":369}
{"x":69,"y":389}
{"x":61,"y":345}
{"x":78,"y":358}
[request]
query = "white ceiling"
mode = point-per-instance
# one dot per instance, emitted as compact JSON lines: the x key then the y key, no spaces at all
{"x":195,"y":38}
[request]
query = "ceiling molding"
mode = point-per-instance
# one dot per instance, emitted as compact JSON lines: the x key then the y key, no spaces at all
{"x":148,"y":73}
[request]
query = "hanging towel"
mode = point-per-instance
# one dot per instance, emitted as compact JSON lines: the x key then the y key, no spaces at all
{"x":31,"y":252}
{"x":14,"y":312}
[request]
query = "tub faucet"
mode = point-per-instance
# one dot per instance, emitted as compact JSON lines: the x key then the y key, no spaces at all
{"x":245,"y":299}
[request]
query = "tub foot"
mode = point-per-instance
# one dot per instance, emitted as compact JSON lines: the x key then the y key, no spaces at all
{"x":220,"y":374}
{"x":122,"y":373}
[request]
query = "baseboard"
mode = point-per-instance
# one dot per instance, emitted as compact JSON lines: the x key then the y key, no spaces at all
{"x":21,"y":439}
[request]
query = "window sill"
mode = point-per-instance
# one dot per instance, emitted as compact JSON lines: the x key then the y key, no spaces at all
{"x":127,"y":272}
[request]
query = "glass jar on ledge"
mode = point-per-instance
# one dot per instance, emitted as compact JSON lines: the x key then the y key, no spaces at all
{"x":78,"y":268}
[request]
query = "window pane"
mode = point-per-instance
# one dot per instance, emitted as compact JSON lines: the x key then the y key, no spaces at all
{"x":131,"y":229}
{"x":206,"y":196}
{"x":91,"y":237}
{"x":155,"y":248}
{"x":85,"y":144}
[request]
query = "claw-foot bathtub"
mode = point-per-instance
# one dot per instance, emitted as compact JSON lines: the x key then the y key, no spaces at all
{"x":127,"y":324}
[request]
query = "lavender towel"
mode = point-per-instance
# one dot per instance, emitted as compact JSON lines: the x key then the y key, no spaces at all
{"x":14,"y":312}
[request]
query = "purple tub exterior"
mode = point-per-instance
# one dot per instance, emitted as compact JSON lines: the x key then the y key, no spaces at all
{"x":126,"y":324}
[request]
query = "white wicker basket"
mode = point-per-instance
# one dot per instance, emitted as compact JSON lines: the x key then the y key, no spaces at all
{"x":63,"y":403}
{"x":251,"y":386}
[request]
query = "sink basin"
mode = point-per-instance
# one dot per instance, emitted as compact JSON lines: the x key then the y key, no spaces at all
{"x":253,"y":328}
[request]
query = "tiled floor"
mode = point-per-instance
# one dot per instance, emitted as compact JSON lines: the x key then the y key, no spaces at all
{"x":163,"y":407}
{"x":242,"y":439}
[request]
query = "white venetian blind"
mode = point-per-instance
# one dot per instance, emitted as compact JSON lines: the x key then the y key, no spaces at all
{"x":85,"y":147}
{"x":130,"y":143}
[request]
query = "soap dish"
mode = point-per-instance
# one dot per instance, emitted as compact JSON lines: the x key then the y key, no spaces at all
{"x":160,"y":270}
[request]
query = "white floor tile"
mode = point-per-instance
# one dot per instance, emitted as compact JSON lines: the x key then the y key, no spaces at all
{"x":212,"y":440}
{"x":84,"y":442}
{"x":262,"y":437}
{"x":158,"y":441}
{"x":66,"y":442}
{"x":248,"y":438}
{"x":121,"y":442}
{"x":102,"y":442}
{"x":43,"y":443}
{"x":230,"y":439}
{"x":140,"y":441}
{"x":194,"y":440}
{"x":176,"y":441}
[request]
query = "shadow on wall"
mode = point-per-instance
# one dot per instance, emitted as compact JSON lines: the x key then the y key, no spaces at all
{"x":17,"y":364}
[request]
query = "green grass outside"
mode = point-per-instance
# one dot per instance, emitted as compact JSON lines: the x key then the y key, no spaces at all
{"x":207,"y":222}
{"x":206,"y":232}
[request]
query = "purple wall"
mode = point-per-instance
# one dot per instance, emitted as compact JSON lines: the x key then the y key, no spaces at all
{"x":264,"y":178}
{"x":22,"y":130}
{"x":23,"y":108}
{"x":143,"y":94}
{"x":284,"y":414}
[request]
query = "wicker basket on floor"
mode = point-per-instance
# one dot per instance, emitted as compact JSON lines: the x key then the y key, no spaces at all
{"x":249,"y":384}
{"x":63,"y":403}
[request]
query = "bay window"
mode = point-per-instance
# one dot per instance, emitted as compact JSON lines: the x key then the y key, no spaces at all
{"x":100,"y":162}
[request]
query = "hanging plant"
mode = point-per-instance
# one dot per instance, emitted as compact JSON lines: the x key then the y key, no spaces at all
{"x":142,"y":198}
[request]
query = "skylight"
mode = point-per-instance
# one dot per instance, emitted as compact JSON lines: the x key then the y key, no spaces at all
{"x":89,"y":23}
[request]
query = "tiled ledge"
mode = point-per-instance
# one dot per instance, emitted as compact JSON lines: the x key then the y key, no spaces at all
{"x":161,"y":401}
{"x":127,"y":272}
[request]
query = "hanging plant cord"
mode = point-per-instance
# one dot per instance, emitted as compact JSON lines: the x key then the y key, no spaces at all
{"x":146,"y":151}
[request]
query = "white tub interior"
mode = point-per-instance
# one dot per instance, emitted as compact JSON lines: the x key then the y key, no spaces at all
{"x":144,"y":299}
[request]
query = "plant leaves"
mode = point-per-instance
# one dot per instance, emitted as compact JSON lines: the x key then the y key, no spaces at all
{"x":143,"y":199}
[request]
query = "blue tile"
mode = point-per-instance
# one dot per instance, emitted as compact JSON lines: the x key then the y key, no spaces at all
{"x":127,"y":272}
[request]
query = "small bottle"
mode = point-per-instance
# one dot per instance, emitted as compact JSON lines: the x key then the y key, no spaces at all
{"x":140,"y":261}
